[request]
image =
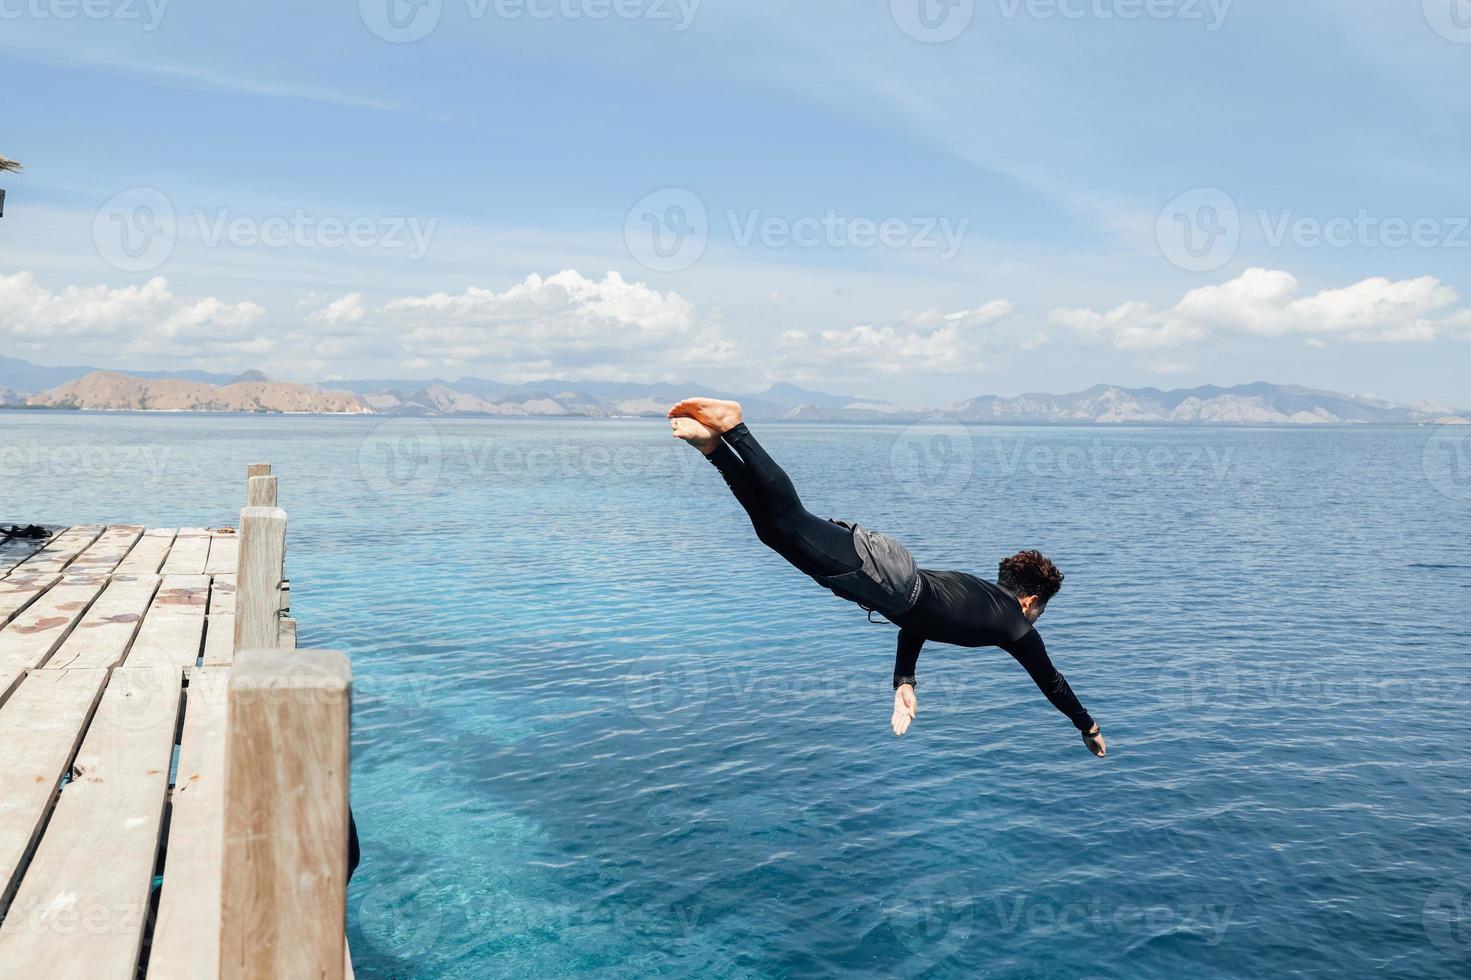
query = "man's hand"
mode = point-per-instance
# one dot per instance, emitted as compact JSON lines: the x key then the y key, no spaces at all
{"x":904,"y":708}
{"x":1094,"y":740}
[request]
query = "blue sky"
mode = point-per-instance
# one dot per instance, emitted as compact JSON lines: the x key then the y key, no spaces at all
{"x":919,"y":200}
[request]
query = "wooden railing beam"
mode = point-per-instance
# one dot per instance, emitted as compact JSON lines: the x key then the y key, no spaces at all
{"x":284,"y":877}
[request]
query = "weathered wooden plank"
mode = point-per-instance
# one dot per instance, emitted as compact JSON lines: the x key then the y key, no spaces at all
{"x":186,"y":938}
{"x":173,"y":627}
{"x":260,"y":491}
{"x":20,"y":591}
{"x":40,"y":727}
{"x":148,"y":554}
{"x":224,"y":553}
{"x":284,"y":877}
{"x":219,"y":631}
{"x":103,"y":555}
{"x":189,"y":554}
{"x":59,"y":551}
{"x":262,"y":554}
{"x":31,"y":637}
{"x":82,"y":904}
{"x":101,"y":639}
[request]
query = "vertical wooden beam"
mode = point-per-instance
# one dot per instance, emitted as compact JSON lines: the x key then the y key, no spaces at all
{"x":257,"y":469}
{"x":258,"y":578}
{"x":260,"y":491}
{"x":284,"y":876}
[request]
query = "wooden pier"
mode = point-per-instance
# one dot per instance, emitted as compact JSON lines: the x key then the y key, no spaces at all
{"x":173,"y":772}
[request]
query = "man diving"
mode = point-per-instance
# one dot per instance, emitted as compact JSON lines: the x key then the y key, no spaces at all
{"x":879,"y":574}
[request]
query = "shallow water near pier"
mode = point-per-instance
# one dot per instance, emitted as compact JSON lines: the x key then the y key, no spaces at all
{"x":600,"y":731}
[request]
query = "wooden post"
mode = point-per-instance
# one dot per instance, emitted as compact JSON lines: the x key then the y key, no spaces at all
{"x":260,"y":491}
{"x":258,"y":577}
{"x":284,"y":877}
{"x":257,"y":469}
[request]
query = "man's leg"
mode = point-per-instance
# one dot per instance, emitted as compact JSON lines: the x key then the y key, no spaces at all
{"x":813,"y":545}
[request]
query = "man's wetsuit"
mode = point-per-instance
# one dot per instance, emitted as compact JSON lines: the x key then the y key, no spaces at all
{"x":953,"y":607}
{"x":958,"y":608}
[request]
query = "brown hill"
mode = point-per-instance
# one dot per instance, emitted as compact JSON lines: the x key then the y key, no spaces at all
{"x":110,"y":390}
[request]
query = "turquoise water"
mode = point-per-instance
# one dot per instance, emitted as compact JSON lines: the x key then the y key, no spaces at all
{"x":600,"y":732}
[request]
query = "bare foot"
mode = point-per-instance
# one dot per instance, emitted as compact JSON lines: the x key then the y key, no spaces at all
{"x":695,"y":434}
{"x":716,"y":415}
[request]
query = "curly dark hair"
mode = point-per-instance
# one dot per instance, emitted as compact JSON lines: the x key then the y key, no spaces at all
{"x":1029,"y":573}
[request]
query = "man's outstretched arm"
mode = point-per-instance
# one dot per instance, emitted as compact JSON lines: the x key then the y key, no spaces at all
{"x":905,"y":660}
{"x":1030,"y":652}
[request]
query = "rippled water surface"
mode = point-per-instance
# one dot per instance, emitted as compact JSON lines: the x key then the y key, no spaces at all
{"x":599,"y":731}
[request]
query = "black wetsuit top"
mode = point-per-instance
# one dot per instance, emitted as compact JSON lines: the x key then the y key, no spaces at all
{"x":960,"y":609}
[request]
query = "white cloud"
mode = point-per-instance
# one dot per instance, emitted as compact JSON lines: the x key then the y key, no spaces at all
{"x":565,"y":324}
{"x":982,"y":316}
{"x":1265,"y":303}
{"x":347,"y":309}
{"x":146,"y":319}
{"x":928,"y":341}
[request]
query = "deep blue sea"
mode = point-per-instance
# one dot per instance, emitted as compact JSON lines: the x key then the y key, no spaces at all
{"x":599,"y":731}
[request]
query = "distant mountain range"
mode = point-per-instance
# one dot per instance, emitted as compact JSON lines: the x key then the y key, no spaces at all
{"x":30,"y":385}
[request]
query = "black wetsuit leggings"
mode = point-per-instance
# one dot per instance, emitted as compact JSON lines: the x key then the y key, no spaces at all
{"x":814,"y":546}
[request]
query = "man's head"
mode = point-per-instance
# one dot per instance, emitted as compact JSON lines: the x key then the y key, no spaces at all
{"x":1033,"y":579}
